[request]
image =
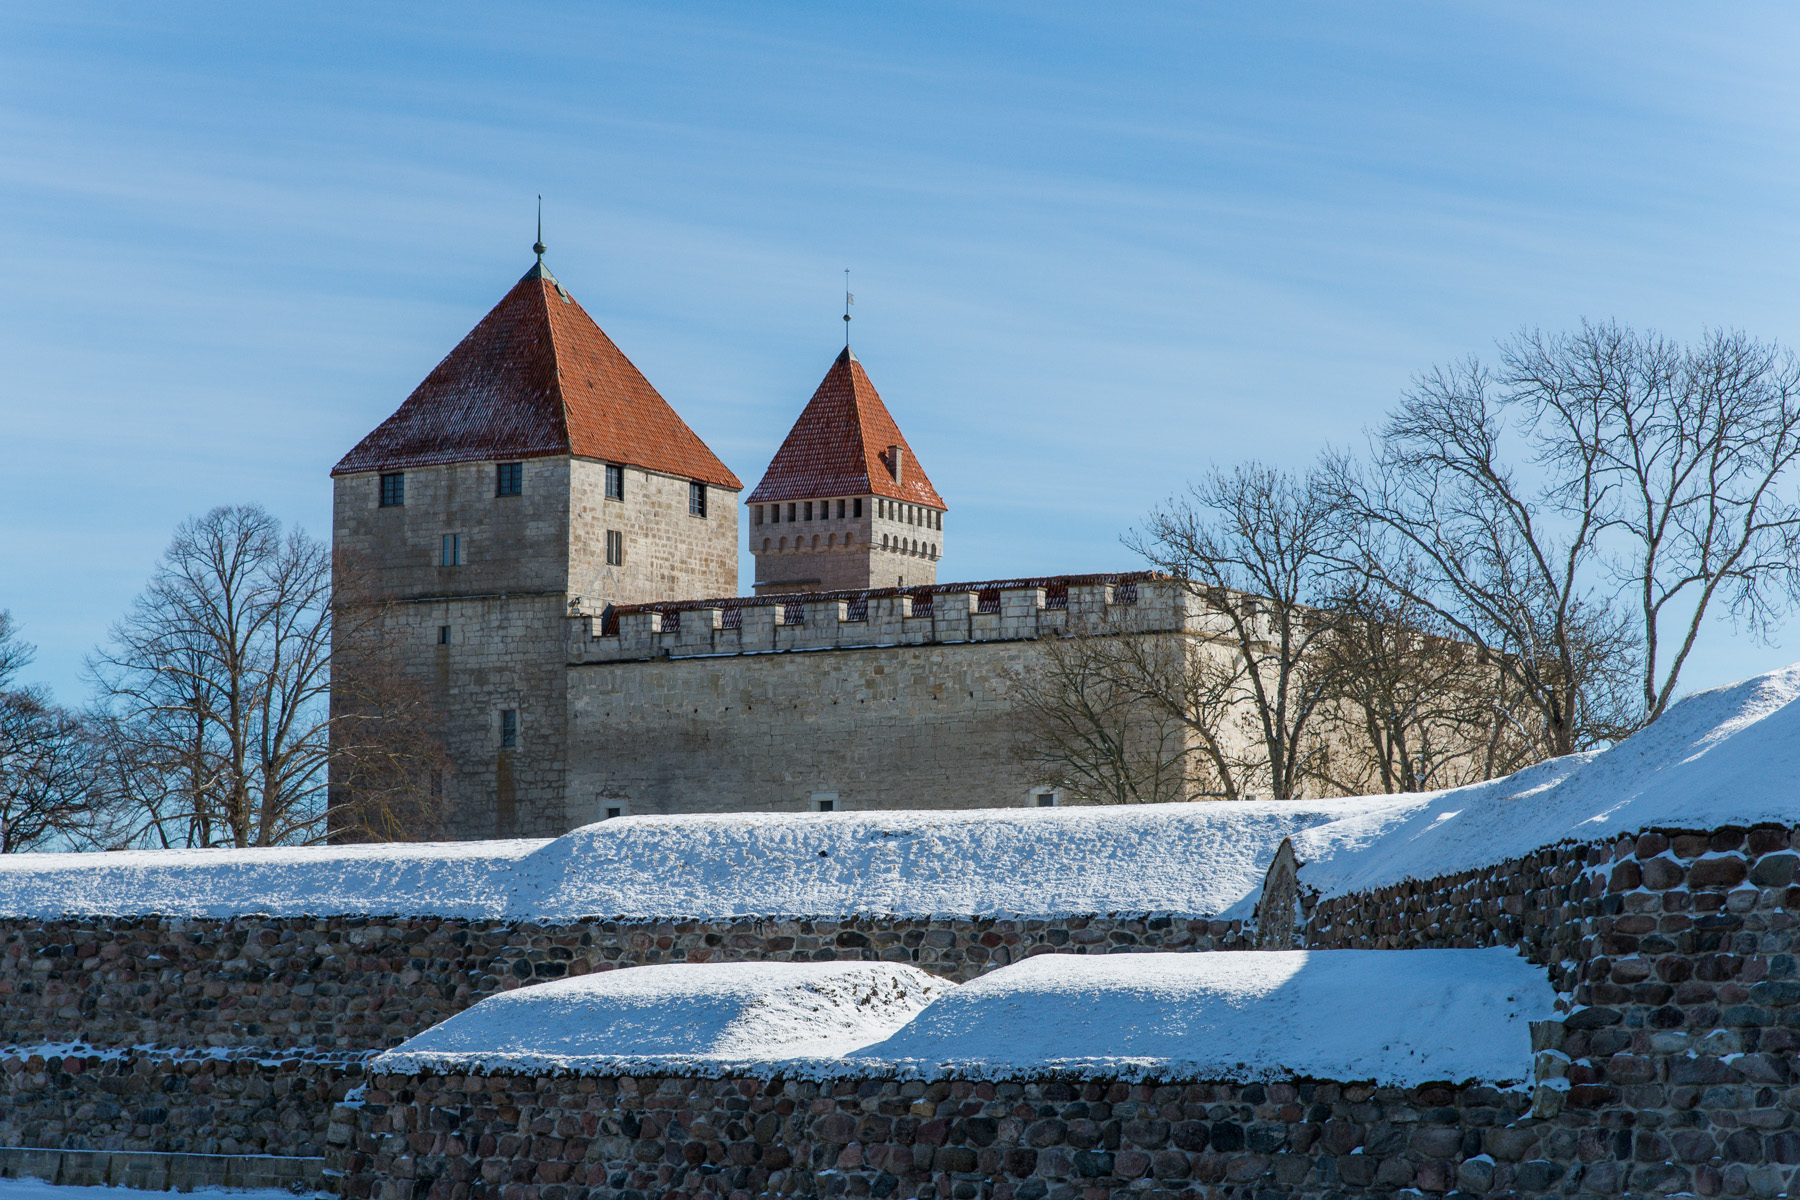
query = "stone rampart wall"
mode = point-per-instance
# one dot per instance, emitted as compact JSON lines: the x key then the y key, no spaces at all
{"x":593,"y":1138}
{"x":347,"y":984}
{"x":145,"y":1101}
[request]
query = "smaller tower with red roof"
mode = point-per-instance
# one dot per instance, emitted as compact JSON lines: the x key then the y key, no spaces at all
{"x":845,"y":504}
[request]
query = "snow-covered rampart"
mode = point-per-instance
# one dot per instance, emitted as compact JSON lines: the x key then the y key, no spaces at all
{"x":1728,"y":756}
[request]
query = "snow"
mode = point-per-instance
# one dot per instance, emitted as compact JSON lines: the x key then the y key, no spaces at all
{"x":676,"y":1018}
{"x":1400,"y":1017}
{"x":37,"y":1189}
{"x":1184,"y":859}
{"x":1728,"y":756}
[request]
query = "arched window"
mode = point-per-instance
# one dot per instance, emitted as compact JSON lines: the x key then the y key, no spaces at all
{"x":815,"y":544}
{"x":884,"y":541}
{"x":784,"y":545}
{"x":830,"y":540}
{"x":765,"y":545}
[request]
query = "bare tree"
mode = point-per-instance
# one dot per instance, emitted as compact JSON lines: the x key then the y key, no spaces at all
{"x":1417,"y":709}
{"x":1584,"y":505}
{"x":216,"y":690}
{"x":1088,"y":726}
{"x":1254,"y":545}
{"x":46,"y":760}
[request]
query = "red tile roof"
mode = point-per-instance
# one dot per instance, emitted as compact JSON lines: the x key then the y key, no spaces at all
{"x":536,"y":378}
{"x":839,"y":447}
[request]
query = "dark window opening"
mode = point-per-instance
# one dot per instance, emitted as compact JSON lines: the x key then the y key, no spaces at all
{"x":443,"y":635}
{"x":840,"y":510}
{"x":614,"y":811}
{"x":774,"y":514}
{"x":696,"y":499}
{"x":759,"y":509}
{"x":1046,"y":799}
{"x":857,"y":505}
{"x":791,"y":509}
{"x":509,"y":728}
{"x":393,"y":490}
{"x":827,"y":805}
{"x":615,"y":482}
{"x":809,"y":510}
{"x":509,"y":479}
{"x":615,"y":548}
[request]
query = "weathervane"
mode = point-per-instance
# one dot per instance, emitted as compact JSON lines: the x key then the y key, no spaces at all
{"x":848,"y":301}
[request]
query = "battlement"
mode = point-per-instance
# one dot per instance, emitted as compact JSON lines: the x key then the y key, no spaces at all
{"x":988,"y":611}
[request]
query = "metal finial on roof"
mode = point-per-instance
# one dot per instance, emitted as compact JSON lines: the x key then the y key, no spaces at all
{"x":539,"y":244}
{"x":848,"y":301}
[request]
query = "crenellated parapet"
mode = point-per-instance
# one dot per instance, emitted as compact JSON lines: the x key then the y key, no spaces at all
{"x":951,"y":614}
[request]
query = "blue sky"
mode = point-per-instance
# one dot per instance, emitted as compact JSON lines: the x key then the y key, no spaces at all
{"x":1095,"y":248}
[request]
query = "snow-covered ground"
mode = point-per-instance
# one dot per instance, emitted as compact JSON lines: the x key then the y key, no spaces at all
{"x":1399,"y":1017}
{"x":37,"y":1189}
{"x":1727,"y":756}
{"x":678,"y":1018}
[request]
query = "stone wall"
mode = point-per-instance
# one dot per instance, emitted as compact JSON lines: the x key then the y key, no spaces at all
{"x":889,"y":703}
{"x":355,"y":985}
{"x":591,"y":1138}
{"x":147,"y":1101}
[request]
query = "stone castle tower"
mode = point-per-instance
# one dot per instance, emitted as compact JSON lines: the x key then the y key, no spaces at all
{"x":845,"y":504}
{"x":534,"y":473}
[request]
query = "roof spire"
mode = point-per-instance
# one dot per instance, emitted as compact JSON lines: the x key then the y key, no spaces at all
{"x":539,"y":244}
{"x":848,"y":301}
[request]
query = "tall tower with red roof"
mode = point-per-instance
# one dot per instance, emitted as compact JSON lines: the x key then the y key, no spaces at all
{"x":845,"y":504}
{"x":534,"y":473}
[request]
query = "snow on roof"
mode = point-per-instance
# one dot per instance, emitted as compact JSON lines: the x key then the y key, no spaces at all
{"x":1184,"y":859}
{"x":1400,"y":1017}
{"x":676,"y":1017}
{"x":1727,"y":756}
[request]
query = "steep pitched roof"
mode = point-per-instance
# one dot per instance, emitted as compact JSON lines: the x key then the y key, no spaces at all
{"x":839,"y":447}
{"x":535,"y":378}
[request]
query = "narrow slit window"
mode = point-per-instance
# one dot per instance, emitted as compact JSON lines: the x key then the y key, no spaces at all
{"x":615,"y":482}
{"x":393,"y":490}
{"x":840,"y":510}
{"x":615,"y":548}
{"x":857,"y":506}
{"x":509,"y":728}
{"x":509,"y":479}
{"x":443,"y":635}
{"x":809,"y":510}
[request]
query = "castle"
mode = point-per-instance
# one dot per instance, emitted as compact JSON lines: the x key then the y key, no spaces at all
{"x":558,"y":552}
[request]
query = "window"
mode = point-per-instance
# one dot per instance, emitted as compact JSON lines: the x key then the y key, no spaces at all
{"x":840,"y":510}
{"x":615,"y":548}
{"x":509,"y":728}
{"x":809,"y":510}
{"x":696,"y":499}
{"x":759,"y":509}
{"x":857,"y":506}
{"x":790,"y":512}
{"x":509,"y":479}
{"x":452,"y":555}
{"x":615,"y":482}
{"x":393,"y":490}
{"x":614,"y":811}
{"x":443,"y":635}
{"x":826,"y":805}
{"x":1046,"y":799}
